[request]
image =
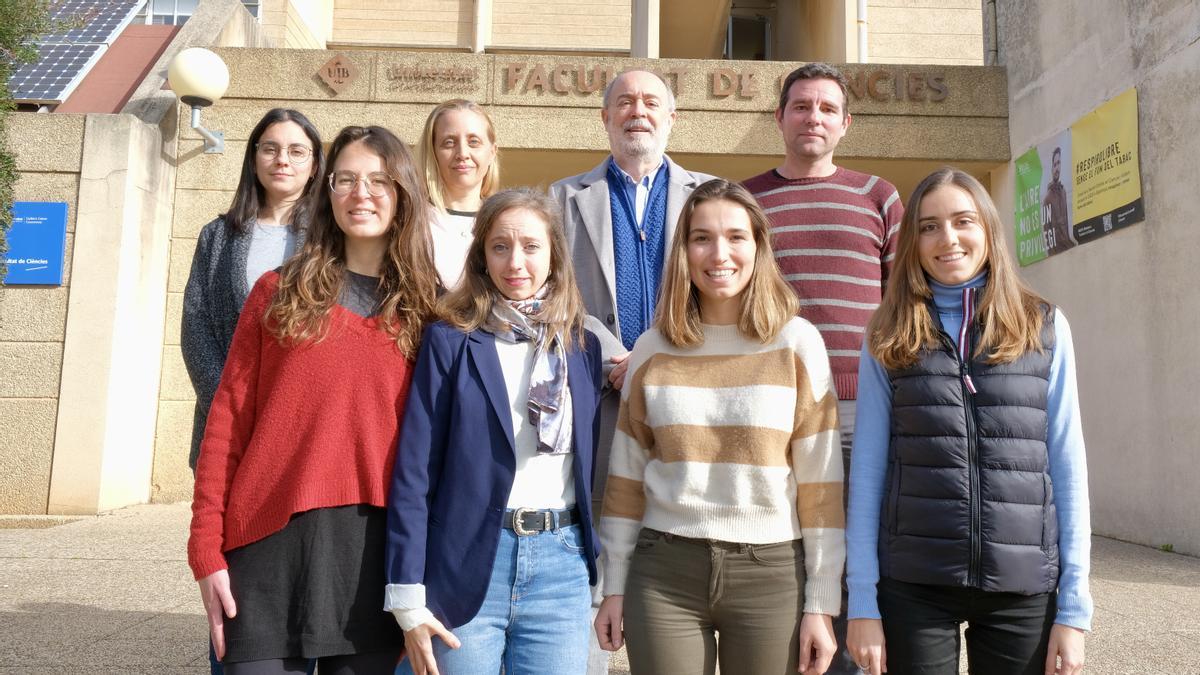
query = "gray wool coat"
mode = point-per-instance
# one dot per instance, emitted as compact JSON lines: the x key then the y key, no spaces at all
{"x":212,"y":301}
{"x":587,"y":221}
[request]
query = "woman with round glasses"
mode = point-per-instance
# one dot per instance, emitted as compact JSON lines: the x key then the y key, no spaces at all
{"x":263,"y":227}
{"x":458,"y":158}
{"x":288,"y":520}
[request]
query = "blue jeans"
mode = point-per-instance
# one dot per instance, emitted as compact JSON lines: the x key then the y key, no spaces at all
{"x":536,"y":616}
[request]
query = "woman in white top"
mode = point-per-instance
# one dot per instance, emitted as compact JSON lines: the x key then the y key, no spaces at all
{"x":489,"y":525}
{"x":722,"y":524}
{"x":458,"y":157}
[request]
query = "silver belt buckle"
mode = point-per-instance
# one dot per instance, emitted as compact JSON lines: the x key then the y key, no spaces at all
{"x":519,"y":522}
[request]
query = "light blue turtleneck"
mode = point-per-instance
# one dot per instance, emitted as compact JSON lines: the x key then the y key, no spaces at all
{"x":1068,"y":469}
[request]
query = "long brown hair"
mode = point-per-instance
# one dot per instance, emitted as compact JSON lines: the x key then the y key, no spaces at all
{"x":1010,"y":313}
{"x":427,"y":155}
{"x":250,"y":195}
{"x":468,"y":306}
{"x":768,"y":303}
{"x":309,"y":283}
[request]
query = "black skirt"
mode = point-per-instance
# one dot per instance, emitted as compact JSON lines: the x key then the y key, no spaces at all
{"x":313,"y":589}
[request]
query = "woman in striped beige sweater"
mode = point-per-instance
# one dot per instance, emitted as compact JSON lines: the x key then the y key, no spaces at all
{"x":723,"y":511}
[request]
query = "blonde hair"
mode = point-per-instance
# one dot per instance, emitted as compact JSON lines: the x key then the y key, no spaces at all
{"x":468,"y":306}
{"x":768,"y":303}
{"x":427,"y":156}
{"x":1010,"y":313}
{"x":310,"y":282}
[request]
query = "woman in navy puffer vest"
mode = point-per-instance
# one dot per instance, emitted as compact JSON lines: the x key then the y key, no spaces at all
{"x":968,"y":486}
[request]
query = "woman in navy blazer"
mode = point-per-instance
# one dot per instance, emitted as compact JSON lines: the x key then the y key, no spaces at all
{"x":489,"y":524}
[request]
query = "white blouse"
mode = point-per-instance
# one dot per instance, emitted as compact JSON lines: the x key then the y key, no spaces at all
{"x":451,"y":234}
{"x":543,"y":481}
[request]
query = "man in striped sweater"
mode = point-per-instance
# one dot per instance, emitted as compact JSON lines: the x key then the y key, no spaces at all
{"x":834,"y":233}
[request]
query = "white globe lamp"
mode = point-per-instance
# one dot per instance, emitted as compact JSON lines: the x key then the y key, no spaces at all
{"x":200,"y":78}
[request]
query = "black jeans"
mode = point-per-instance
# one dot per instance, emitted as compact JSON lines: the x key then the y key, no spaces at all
{"x":1007,"y":633}
{"x":377,"y":663}
{"x":843,"y":663}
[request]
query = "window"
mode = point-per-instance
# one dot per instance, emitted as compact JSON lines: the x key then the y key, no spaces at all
{"x":748,"y":38}
{"x":176,"y":12}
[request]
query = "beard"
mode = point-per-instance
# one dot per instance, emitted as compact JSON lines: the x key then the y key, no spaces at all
{"x":641,"y":145}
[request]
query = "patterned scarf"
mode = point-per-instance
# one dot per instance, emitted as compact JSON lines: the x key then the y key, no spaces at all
{"x":549,"y":403}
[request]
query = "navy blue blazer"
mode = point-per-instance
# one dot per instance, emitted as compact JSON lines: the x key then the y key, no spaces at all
{"x":455,"y":466}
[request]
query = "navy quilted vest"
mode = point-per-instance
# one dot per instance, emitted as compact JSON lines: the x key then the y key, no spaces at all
{"x":968,"y":500}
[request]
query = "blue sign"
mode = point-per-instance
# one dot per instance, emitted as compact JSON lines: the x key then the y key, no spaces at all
{"x":35,"y":243}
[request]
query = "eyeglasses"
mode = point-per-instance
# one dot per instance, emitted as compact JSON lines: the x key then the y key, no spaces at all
{"x":298,"y":154}
{"x":345,"y":182}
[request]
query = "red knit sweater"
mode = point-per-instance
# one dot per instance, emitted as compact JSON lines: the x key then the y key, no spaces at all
{"x":295,"y":428}
{"x":834,"y":239}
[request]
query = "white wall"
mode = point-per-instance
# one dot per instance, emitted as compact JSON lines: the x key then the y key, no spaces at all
{"x":1132,"y":297}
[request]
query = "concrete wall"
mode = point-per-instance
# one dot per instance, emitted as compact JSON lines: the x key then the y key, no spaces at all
{"x":300,"y":24}
{"x":1131,"y":296}
{"x":82,"y":362}
{"x":77,"y":403}
{"x":104,"y":436}
{"x":311,"y":17}
{"x":692,"y":29}
{"x":33,"y":318}
{"x":817,"y":30}
{"x":584,"y":25}
{"x":926,"y":31}
{"x":600,"y":25}
{"x":216,"y":23}
{"x":425,"y":23}
{"x":204,"y":189}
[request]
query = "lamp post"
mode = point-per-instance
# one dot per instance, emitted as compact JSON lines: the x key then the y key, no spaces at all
{"x":199,"y":78}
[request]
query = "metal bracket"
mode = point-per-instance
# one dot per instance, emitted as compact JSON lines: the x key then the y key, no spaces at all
{"x":214,"y":141}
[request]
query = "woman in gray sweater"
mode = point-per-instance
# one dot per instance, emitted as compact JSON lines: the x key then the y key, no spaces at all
{"x":281,"y":174}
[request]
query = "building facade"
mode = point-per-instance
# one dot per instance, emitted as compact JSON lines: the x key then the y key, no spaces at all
{"x":97,"y":411}
{"x":1129,"y":296}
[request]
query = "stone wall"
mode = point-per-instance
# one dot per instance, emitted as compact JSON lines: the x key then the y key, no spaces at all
{"x":33,"y":318}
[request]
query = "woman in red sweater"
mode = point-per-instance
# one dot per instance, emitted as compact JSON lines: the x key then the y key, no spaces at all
{"x":288,"y":523}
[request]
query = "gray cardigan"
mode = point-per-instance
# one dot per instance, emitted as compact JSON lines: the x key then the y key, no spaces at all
{"x":212,"y":301}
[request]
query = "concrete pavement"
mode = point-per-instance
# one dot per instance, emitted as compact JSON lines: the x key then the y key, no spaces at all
{"x":113,"y":594}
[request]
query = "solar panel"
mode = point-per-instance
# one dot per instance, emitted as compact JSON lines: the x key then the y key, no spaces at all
{"x":53,"y":76}
{"x":65,"y":58}
{"x":103,"y":20}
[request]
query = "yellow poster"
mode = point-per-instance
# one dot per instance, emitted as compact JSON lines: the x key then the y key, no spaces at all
{"x":1107,"y":182}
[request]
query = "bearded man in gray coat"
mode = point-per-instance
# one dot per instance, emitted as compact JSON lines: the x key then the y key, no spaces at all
{"x":619,"y":219}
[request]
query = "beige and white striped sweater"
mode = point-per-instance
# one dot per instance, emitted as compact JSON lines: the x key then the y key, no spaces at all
{"x":733,"y":440}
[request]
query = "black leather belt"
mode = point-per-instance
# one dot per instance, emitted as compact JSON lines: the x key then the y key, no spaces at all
{"x":531,"y":521}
